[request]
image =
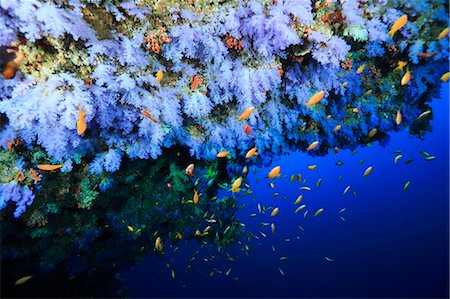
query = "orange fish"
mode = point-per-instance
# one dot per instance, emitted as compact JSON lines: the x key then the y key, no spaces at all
{"x":398,"y":25}
{"x":315,"y":98}
{"x":49,"y":167}
{"x":195,"y":198}
{"x":22,"y":280}
{"x":236,"y":184}
{"x":361,"y":69}
{"x":158,"y":244}
{"x":312,"y":146}
{"x":398,"y":118}
{"x":246,"y":113}
{"x":355,"y":110}
{"x":336,"y":150}
{"x":148,"y":115}
{"x":275,"y":172}
{"x":190,"y":170}
{"x":81,"y":123}
{"x":406,"y":77}
{"x":337,"y":128}
{"x":274,"y":212}
{"x":10,"y":70}
{"x":400,"y":65}
{"x":373,"y":132}
{"x":223,"y":154}
{"x":427,"y":55}
{"x":443,"y":33}
{"x":248,"y":130}
{"x":179,"y":236}
{"x":252,"y":152}
{"x":312,"y":167}
{"x":159,"y":76}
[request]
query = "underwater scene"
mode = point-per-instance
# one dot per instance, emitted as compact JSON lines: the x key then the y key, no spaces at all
{"x":224,"y":149}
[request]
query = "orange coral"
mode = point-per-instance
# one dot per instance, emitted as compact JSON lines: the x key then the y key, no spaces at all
{"x":233,"y":43}
{"x":156,"y":39}
{"x":196,"y":81}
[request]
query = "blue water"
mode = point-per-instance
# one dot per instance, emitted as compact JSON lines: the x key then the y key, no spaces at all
{"x":393,"y":243}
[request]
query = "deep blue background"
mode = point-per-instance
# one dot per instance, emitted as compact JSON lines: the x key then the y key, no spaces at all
{"x":394,"y":243}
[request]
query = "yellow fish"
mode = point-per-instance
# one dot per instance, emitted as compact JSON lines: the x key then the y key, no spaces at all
{"x":300,"y":208}
{"x":369,"y":91}
{"x":400,"y":65}
{"x":274,"y":212}
{"x":315,"y":98}
{"x":275,"y":172}
{"x":398,"y":157}
{"x":246,"y":113}
{"x":49,"y":167}
{"x":373,"y":132}
{"x":252,"y":152}
{"x":159,"y":76}
{"x":355,"y":110}
{"x":368,"y":171}
{"x":312,"y":167}
{"x":337,"y":128}
{"x":443,"y":33}
{"x":398,"y":118}
{"x":445,"y":77}
{"x":272,"y":226}
{"x":81,"y":123}
{"x":398,"y":25}
{"x":361,"y":69}
{"x":158,"y":244}
{"x":22,"y":280}
{"x":130,"y":228}
{"x":312,"y":146}
{"x":236,"y":184}
{"x":318,"y":212}
{"x":406,"y":77}
{"x":298,"y":200}
{"x":223,"y":154}
{"x":344,"y":84}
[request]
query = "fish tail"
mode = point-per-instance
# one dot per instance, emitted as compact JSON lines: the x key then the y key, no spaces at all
{"x":391,"y":33}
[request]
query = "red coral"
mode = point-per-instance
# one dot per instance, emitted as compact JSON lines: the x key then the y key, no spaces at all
{"x":156,"y":39}
{"x":196,"y":81}
{"x":233,"y":43}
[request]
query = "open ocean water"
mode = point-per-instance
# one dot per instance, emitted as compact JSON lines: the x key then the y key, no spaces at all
{"x":393,"y":243}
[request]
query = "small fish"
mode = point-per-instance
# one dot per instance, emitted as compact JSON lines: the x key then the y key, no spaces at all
{"x":337,"y":128}
{"x":398,"y":157}
{"x":318,"y":212}
{"x":263,"y":224}
{"x":158,"y":244}
{"x":252,"y":152}
{"x":398,"y":118}
{"x":361,"y":68}
{"x":252,"y":215}
{"x":400,"y":65}
{"x":426,"y":154}
{"x":398,"y":151}
{"x":228,"y":272}
{"x":272,"y":185}
{"x":339,"y":163}
{"x":409,"y":161}
{"x":444,"y":77}
{"x":329,"y":259}
{"x":405,"y":79}
{"x":223,"y":154}
{"x":283,"y":258}
{"x":355,"y":110}
{"x":424,"y":114}
{"x":406,"y":186}
{"x":190,"y":170}
{"x":300,"y":208}
{"x":247,"y":130}
{"x":275,"y":194}
{"x":361,"y":161}
{"x":305,"y":188}
{"x":275,"y":172}
{"x":273,"y":248}
{"x":342,"y":218}
{"x":273,"y":228}
{"x":315,"y":99}
{"x":130,"y":228}
{"x":23,"y":280}
{"x":369,"y":91}
{"x":312,"y":167}
{"x":173,"y":273}
{"x":344,"y":84}
{"x":305,"y":214}
{"x":429,"y":158}
{"x":427,"y":55}
{"x":299,"y":199}
{"x":263,"y":234}
{"x":299,"y":177}
{"x":443,"y":34}
{"x":81,"y":122}
{"x":340,"y":177}
{"x":246,"y":113}
{"x":346,"y":190}
{"x":342,"y":210}
{"x":301,"y":227}
{"x":373,"y":132}
{"x":354,"y":193}
{"x":281,"y":271}
{"x":244,"y":171}
{"x":312,"y":146}
{"x":398,"y":24}
{"x":319,"y":182}
{"x":179,"y":236}
{"x":159,"y":76}
{"x":368,"y":171}
{"x":49,"y":167}
{"x":236,"y":184}
{"x":292,"y":179}
{"x":274,"y":212}
{"x":195,"y":198}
